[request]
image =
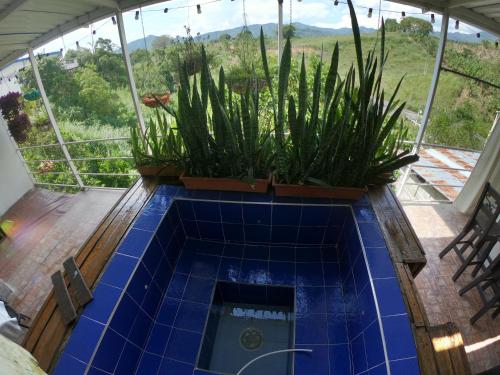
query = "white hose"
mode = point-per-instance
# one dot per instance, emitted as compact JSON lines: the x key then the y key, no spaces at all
{"x":272,"y":353}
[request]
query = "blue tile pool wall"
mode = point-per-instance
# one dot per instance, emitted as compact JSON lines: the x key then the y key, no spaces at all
{"x":179,"y":248}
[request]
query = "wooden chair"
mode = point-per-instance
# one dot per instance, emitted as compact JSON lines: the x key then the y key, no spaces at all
{"x":479,"y":235}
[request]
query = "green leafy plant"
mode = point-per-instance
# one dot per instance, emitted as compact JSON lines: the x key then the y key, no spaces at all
{"x":159,"y":146}
{"x":344,"y":133}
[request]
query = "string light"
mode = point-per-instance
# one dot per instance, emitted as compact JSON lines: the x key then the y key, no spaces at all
{"x":77,"y":44}
{"x":478,"y":35}
{"x":165,"y":10}
{"x":403,"y":14}
{"x":336,"y":2}
{"x":370,"y":11}
{"x":113,"y":19}
{"x":198,"y":8}
{"x":93,"y":32}
{"x":457,"y":24}
{"x":136,"y":15}
{"x":433,"y":19}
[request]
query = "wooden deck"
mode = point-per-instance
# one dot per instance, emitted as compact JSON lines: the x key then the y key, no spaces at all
{"x":48,"y":332}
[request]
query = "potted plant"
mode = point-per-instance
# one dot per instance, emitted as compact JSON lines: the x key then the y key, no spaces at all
{"x":341,"y":138}
{"x":152,"y":100}
{"x":18,"y":122}
{"x":159,"y":151}
{"x":226,"y":149}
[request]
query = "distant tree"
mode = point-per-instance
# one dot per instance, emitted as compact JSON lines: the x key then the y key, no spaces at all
{"x":391,"y":25}
{"x":289,"y":31}
{"x":161,"y":42}
{"x":224,"y":37}
{"x":416,"y":26}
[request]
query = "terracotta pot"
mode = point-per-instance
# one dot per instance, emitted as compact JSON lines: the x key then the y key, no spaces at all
{"x":151,"y":102}
{"x":225,"y":184}
{"x":153,"y":170}
{"x":313,"y":191}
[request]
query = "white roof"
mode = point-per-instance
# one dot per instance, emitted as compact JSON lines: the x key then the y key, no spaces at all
{"x":32,"y":23}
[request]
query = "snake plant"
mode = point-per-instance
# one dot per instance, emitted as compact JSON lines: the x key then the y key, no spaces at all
{"x":221,"y":132}
{"x":339,"y":132}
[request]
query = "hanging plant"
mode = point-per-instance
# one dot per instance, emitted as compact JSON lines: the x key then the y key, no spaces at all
{"x":18,"y":122}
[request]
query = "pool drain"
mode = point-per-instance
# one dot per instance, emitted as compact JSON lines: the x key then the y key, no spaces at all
{"x":251,"y":338}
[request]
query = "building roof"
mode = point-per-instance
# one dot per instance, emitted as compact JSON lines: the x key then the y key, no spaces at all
{"x":31,"y":23}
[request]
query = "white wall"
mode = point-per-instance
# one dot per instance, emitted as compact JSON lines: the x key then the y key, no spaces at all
{"x":14,"y":180}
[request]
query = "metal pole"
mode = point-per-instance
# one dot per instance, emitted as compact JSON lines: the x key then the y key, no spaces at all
{"x":130,"y":72}
{"x":280,"y":30}
{"x":430,"y":97}
{"x":52,"y":119}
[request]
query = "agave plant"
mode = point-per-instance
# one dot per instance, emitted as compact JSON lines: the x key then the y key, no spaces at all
{"x":344,"y":134}
{"x":221,"y":133}
{"x":159,"y":145}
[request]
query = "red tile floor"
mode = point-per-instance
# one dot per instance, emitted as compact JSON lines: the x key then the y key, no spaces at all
{"x":47,"y":227}
{"x":436,"y":226}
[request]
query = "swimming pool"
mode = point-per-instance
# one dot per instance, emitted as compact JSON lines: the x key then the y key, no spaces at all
{"x":204,"y":282}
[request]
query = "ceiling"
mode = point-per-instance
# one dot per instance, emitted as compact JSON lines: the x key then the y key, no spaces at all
{"x":32,"y":23}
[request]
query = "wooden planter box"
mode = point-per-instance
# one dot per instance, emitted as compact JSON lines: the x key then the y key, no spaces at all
{"x":225,"y":184}
{"x":153,"y":170}
{"x":312,"y":191}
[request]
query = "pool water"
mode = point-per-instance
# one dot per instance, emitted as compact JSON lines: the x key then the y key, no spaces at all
{"x":205,"y":281}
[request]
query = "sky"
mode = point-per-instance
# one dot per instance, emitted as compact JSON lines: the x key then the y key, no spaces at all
{"x":225,"y":14}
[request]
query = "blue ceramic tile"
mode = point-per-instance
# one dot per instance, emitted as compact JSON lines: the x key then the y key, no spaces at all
{"x":363,"y":201}
{"x":119,"y":270}
{"x":286,"y":215}
{"x":309,"y":274}
{"x":149,"y":364}
{"x":364,"y":214}
{"x":378,"y":370}
{"x":163,"y":274}
{"x":405,"y":367}
{"x":206,"y":194}
{"x":380,"y":262}
{"x":257,"y":233}
{"x":311,"y":329}
{"x":177,"y":285}
{"x":109,"y":352}
{"x":168,"y":311}
{"x":233,"y":250}
{"x":291,"y":200}
{"x":256,"y":252}
{"x":233,"y":232}
{"x":159,"y":203}
{"x":389,"y":297}
{"x":152,"y":255}
{"x":256,"y":197}
{"x":329,"y":253}
{"x":233,"y":196}
{"x":308,"y":254}
{"x":332,"y":235}
{"x":199,"y":290}
{"x":358,"y":354}
{"x":101,"y":307}
{"x":193,"y":245}
{"x":191,"y":228}
{"x":211,"y":231}
{"x":140,"y":330}
{"x":337,"y":329}
{"x":152,"y":300}
{"x":124,"y":315}
{"x":340,"y":360}
{"x":205,"y":266}
{"x":170,"y":190}
{"x":207,"y":211}
{"x":158,"y":339}
{"x":191,"y":316}
{"x":211,"y":248}
{"x":334,"y":300}
{"x":338,"y":216}
{"x":84,"y":339}
{"x":138,"y":285}
{"x":371,"y":235}
{"x":185,"y":262}
{"x":282,"y":253}
{"x":366,"y":303}
{"x":398,"y":337}
{"x":312,"y":363}
{"x":69,"y":365}
{"x":183,"y":346}
{"x":374,"y":348}
{"x":360,"y":272}
{"x":281,"y":273}
{"x":148,"y":220}
{"x":165,"y":232}
{"x":284,"y":234}
{"x":310,"y":300}
{"x":129,"y":359}
{"x":257,"y":214}
{"x":229,"y":269}
{"x":332,"y":274}
{"x":185,"y":209}
{"x":231,"y":213}
{"x":171,"y":367}
{"x":311,"y":235}
{"x":254,"y":271}
{"x":315,"y":216}
{"x":134,"y":243}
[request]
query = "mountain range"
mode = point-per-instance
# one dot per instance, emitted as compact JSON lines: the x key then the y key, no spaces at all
{"x":301,"y":30}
